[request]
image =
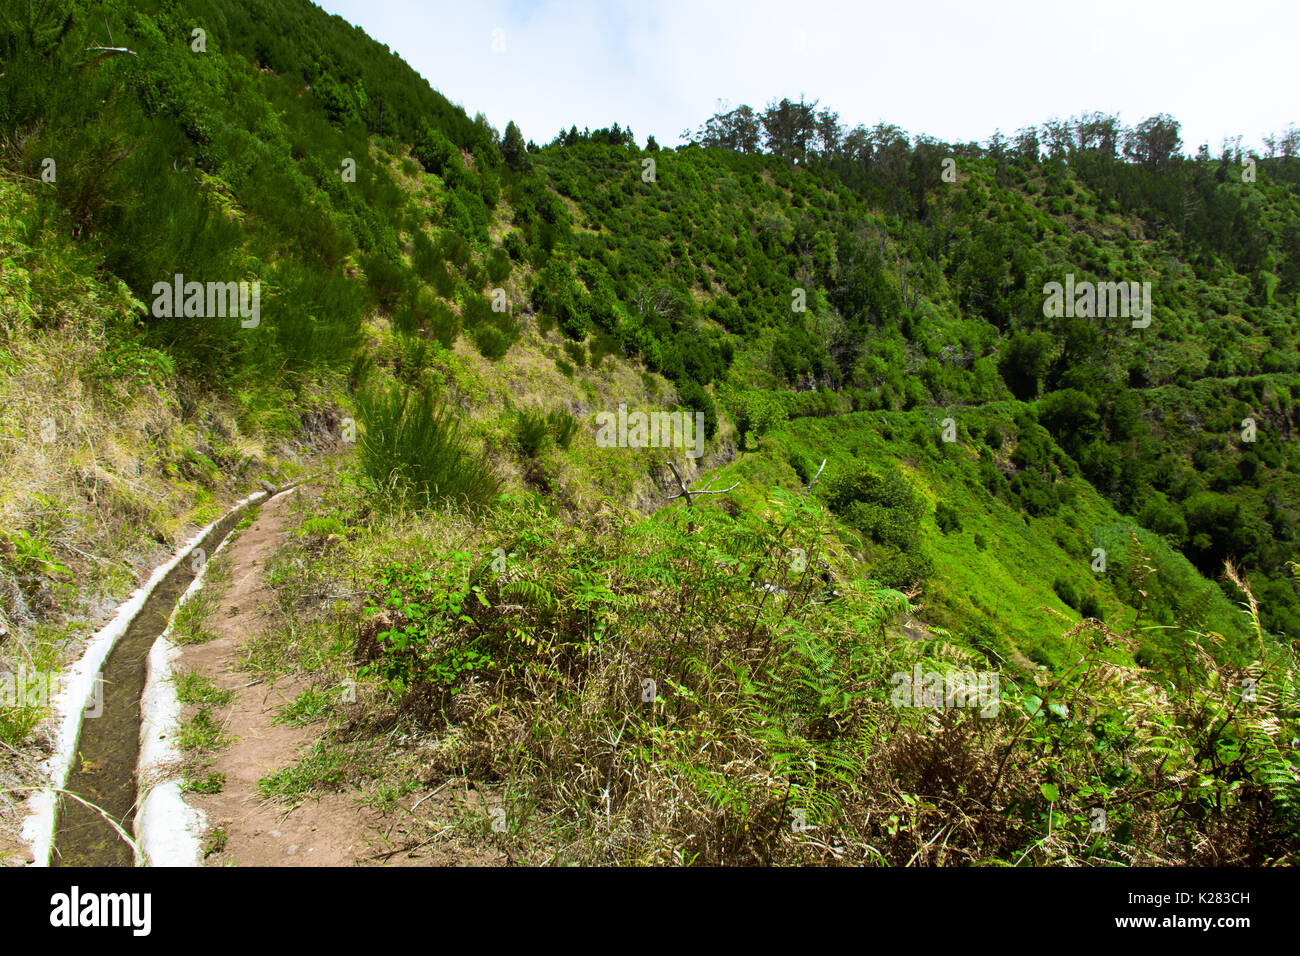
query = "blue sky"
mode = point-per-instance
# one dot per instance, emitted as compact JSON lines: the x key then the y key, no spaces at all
{"x":956,"y":71}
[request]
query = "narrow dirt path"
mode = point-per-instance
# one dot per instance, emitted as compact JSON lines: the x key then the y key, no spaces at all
{"x":334,"y":830}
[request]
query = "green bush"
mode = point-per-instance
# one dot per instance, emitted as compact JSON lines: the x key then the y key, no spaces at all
{"x":563,"y":426}
{"x":1067,"y":593}
{"x":443,"y":280}
{"x":498,"y":265}
{"x":444,"y":325}
{"x":436,"y":152}
{"x":530,"y":432}
{"x":492,"y":332}
{"x":421,"y":601}
{"x":882,"y":507}
{"x":1089,"y":606}
{"x":692,"y":397}
{"x":413,"y":446}
{"x":387,"y":278}
{"x":803,"y":466}
{"x":946,"y":517}
{"x":578,"y":352}
{"x":514,"y":246}
{"x":491,"y":342}
{"x":756,"y":411}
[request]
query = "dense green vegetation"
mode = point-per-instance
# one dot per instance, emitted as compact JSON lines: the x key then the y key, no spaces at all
{"x":931,"y":470}
{"x":938,"y":302}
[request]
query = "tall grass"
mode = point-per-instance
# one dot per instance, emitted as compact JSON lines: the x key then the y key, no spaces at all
{"x":413,"y":446}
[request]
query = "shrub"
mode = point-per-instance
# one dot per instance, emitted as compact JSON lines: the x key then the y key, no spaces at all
{"x":498,"y":265}
{"x":563,"y":426}
{"x":578,"y":352}
{"x":693,"y":397}
{"x":443,"y":281}
{"x":1067,"y":593}
{"x":386,"y":278}
{"x":444,"y":324}
{"x":477,"y":312}
{"x":493,"y":332}
{"x":475,"y":275}
{"x":756,"y":411}
{"x":416,"y":601}
{"x":491,"y":342}
{"x":454,"y":248}
{"x":514,"y":246}
{"x":1089,"y":606}
{"x":602,"y":344}
{"x":425,"y":257}
{"x":412,"y":445}
{"x":531,"y":432}
{"x":883,"y":508}
{"x":436,"y":152}
{"x":803,"y":466}
{"x":946,"y":517}
{"x":1023,"y":362}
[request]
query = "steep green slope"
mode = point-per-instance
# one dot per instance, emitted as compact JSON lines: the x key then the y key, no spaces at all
{"x":832,"y":306}
{"x":998,"y":574}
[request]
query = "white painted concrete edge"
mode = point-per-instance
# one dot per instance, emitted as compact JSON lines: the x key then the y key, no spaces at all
{"x":168,"y":831}
{"x":76,"y":691}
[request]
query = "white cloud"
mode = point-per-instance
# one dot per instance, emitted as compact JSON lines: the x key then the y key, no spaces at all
{"x":953,"y":70}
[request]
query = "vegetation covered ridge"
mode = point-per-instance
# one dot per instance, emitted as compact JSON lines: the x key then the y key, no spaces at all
{"x":805,"y":492}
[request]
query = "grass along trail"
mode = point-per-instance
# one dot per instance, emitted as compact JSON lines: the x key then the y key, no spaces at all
{"x":245,"y":760}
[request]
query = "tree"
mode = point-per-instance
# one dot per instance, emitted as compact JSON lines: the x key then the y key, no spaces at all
{"x":650,"y":145}
{"x":736,"y":130}
{"x":1098,"y":131}
{"x":790,"y":128}
{"x":1027,"y":145}
{"x":513,"y":150}
{"x":1154,"y":141}
{"x":1290,"y":143}
{"x":1058,"y":137}
{"x":436,"y":152}
{"x":780,"y":128}
{"x":486,"y":131}
{"x":1023,"y":361}
{"x":856,"y":147}
{"x":829,"y":132}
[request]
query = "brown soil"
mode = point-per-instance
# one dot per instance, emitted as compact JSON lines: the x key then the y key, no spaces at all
{"x":335,"y":829}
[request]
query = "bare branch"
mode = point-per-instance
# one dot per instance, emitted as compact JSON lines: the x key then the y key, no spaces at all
{"x":816,"y":476}
{"x":105,"y":52}
{"x":715,"y":491}
{"x":687,"y":493}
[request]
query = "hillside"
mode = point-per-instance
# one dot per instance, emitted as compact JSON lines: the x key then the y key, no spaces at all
{"x":929,"y":464}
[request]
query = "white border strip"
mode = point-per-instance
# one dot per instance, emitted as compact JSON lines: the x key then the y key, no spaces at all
{"x":168,"y":831}
{"x":77,"y":686}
